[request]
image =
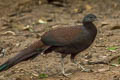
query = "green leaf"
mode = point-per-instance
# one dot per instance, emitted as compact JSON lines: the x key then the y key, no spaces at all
{"x":112,"y":48}
{"x":43,"y":75}
{"x":114,"y":65}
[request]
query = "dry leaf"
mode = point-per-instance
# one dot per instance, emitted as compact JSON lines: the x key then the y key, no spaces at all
{"x":76,"y":10}
{"x":41,"y":21}
{"x":88,"y":7}
{"x":27,"y":27}
{"x":9,"y":32}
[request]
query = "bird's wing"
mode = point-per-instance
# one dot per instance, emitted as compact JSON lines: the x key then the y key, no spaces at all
{"x":63,"y":36}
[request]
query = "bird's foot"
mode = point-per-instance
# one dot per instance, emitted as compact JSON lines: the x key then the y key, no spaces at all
{"x":84,"y":69}
{"x":66,"y":74}
{"x":2,"y":52}
{"x":42,"y":54}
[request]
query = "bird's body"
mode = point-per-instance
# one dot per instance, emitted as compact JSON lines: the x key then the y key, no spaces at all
{"x":65,"y":40}
{"x":69,"y":40}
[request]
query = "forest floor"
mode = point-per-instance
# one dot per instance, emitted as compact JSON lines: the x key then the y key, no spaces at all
{"x":22,"y":22}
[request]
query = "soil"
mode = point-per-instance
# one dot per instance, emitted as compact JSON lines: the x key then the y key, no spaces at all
{"x":22,"y":22}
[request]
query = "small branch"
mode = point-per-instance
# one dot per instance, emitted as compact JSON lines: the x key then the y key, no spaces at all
{"x":105,"y":61}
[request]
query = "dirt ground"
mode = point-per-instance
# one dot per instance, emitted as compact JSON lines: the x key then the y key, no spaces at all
{"x":22,"y":22}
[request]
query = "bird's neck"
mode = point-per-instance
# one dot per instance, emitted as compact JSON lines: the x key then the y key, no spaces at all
{"x":90,"y":27}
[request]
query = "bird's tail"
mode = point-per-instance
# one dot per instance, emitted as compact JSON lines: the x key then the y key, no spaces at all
{"x":27,"y":53}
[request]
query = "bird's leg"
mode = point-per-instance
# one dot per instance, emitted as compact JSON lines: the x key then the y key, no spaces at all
{"x":42,"y":53}
{"x":78,"y":65}
{"x":62,"y":65}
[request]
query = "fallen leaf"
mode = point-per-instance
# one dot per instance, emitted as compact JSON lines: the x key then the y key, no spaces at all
{"x":116,"y":65}
{"x":88,"y":7}
{"x":104,"y":23}
{"x":9,"y":32}
{"x":35,"y":74}
{"x":102,"y":70}
{"x":112,"y":48}
{"x":41,"y":21}
{"x":76,"y":10}
{"x":43,"y":76}
{"x":27,"y":27}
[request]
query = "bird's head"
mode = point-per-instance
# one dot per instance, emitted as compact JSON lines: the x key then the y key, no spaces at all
{"x":90,"y":18}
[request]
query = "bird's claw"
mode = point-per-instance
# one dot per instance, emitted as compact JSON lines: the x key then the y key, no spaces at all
{"x":66,"y":74}
{"x":84,"y":69}
{"x":42,"y":54}
{"x":2,"y":52}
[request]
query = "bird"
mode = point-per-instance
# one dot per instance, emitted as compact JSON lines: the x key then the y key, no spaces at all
{"x":64,"y":40}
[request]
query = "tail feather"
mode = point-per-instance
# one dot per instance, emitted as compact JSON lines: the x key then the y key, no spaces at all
{"x":3,"y":67}
{"x":28,"y":53}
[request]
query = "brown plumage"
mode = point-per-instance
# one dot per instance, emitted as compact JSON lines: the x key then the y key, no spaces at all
{"x":65,"y":40}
